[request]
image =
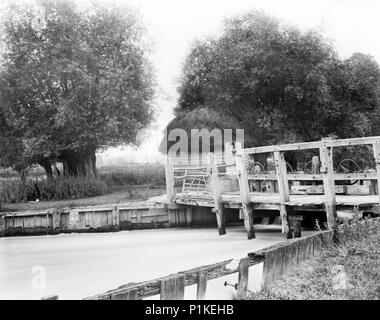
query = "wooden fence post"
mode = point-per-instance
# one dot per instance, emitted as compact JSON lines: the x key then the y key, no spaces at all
{"x":376,"y":153}
{"x":215,"y":186}
{"x":327,"y":170}
{"x":243,"y":276}
{"x":202,"y":285}
{"x":189,"y":216}
{"x":169,"y":178}
{"x":283,"y":188}
{"x":173,"y":288}
{"x":244,"y":191}
{"x":2,"y":225}
{"x":271,"y":167}
{"x":115,"y":216}
{"x":315,"y":169}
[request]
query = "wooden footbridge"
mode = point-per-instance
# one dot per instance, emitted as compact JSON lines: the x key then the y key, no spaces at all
{"x":236,"y":181}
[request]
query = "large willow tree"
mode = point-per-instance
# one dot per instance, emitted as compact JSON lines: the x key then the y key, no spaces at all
{"x":73,"y":80}
{"x":280,"y":84}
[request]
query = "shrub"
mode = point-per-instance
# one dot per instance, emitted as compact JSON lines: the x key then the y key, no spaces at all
{"x":14,"y":190}
{"x":153,"y":174}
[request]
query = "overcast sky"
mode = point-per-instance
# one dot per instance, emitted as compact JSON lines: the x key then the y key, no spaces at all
{"x":352,"y":25}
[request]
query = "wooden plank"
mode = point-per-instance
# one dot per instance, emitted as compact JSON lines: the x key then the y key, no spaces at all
{"x":244,"y":192}
{"x":268,"y":269}
{"x":202,"y":284}
{"x":294,"y":253}
{"x":309,"y":247}
{"x":126,"y":295}
{"x":189,"y":216}
{"x":327,"y":169}
{"x":317,"y":245}
{"x":286,"y":259}
{"x":283,"y":187}
{"x":301,"y":250}
{"x":56,"y":219}
{"x":115,"y":216}
{"x":2,"y":226}
{"x":376,"y":153}
{"x":315,"y":165}
{"x":314,"y":145}
{"x":173,"y":288}
{"x":312,"y":177}
{"x":319,"y":189}
{"x":215,"y":186}
{"x":50,"y":297}
{"x":271,"y":167}
{"x":277,"y":269}
{"x":243,"y":276}
{"x":294,"y":223}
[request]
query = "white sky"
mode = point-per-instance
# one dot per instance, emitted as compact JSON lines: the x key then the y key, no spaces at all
{"x":352,"y":25}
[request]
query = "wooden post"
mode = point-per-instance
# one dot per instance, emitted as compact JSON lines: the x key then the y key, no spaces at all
{"x":169,"y":177}
{"x":283,"y":188}
{"x":202,"y":285}
{"x":216,"y":186}
{"x":327,"y":170}
{"x":229,"y":158}
{"x":2,"y":225}
{"x":315,"y":165}
{"x":173,"y":288}
{"x":189,"y":216}
{"x":271,"y":165}
{"x":115,"y":216}
{"x":243,"y":276}
{"x":244,"y":191}
{"x":294,"y":225}
{"x":376,"y":153}
{"x":56,"y":219}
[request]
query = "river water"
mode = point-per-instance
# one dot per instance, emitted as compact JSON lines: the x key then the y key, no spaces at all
{"x":75,"y":266}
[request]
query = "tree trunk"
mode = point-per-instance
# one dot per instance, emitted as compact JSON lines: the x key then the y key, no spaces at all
{"x":83,"y":164}
{"x":56,"y":170}
{"x":47,"y":167}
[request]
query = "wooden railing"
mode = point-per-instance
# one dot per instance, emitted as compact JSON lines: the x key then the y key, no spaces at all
{"x":235,"y":162}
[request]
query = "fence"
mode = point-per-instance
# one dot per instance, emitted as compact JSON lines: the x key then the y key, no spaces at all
{"x":235,"y":164}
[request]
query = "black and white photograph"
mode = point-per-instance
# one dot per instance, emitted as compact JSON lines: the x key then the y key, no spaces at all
{"x":204,"y":153}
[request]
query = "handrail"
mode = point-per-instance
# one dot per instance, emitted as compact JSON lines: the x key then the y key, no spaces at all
{"x":313,"y":145}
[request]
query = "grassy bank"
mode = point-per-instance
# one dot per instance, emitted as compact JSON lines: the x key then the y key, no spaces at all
{"x":125,"y":194}
{"x":114,"y":184}
{"x":349,"y":270}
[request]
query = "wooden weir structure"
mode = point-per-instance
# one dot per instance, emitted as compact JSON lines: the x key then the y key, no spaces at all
{"x":223,"y":182}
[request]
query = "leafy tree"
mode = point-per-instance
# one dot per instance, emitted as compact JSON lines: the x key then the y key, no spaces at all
{"x":74,"y":81}
{"x":280,"y":84}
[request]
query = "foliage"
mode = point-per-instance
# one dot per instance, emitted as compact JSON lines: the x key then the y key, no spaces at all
{"x":111,"y":178}
{"x":357,"y":254}
{"x":73,"y":80}
{"x":13,"y":191}
{"x":153,"y":174}
{"x":280,"y":84}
